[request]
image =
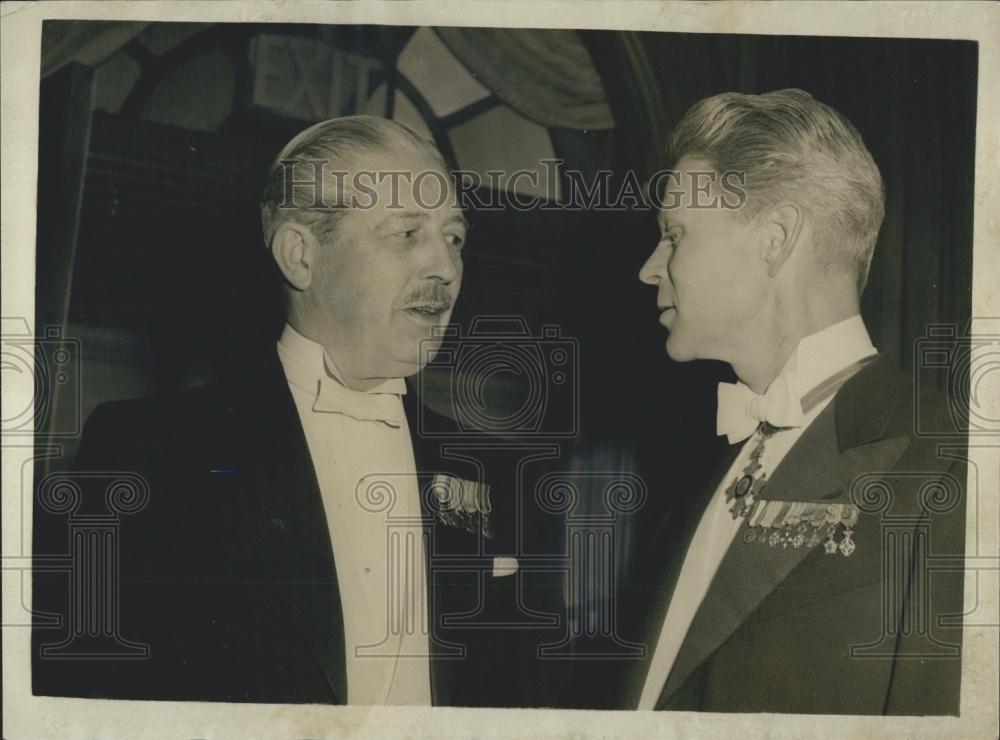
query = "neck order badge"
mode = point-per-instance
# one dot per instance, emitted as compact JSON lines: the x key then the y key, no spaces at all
{"x":792,"y":523}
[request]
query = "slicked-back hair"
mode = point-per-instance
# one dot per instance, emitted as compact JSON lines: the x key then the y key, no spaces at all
{"x":338,"y":145}
{"x":793,"y":148}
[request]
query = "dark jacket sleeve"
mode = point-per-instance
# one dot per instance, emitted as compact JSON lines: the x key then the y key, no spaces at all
{"x":107,"y":443}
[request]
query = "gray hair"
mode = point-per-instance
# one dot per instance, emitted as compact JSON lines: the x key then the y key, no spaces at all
{"x":339,"y":144}
{"x":791,"y":147}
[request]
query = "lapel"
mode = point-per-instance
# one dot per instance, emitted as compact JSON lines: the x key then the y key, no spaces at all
{"x":673,"y":535}
{"x":427,"y":461}
{"x":287,"y":519}
{"x":658,"y":565}
{"x":449,"y":548}
{"x":428,"y":458}
{"x":861,"y":430}
{"x":422,"y":451}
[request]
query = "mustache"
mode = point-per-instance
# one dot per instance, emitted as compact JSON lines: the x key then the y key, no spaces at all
{"x":431,"y":295}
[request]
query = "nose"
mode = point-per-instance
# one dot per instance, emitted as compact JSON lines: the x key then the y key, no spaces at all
{"x":445,"y":261}
{"x":654,"y":271}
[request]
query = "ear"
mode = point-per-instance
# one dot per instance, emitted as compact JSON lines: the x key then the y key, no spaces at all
{"x":782,"y":229}
{"x":293,"y":247}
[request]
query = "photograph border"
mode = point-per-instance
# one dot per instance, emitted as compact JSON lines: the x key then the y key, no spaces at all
{"x":29,"y":716}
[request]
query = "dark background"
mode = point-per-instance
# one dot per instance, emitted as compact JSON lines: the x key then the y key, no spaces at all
{"x":149,"y":247}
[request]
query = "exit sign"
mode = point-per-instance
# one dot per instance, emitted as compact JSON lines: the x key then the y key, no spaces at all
{"x":309,"y":80}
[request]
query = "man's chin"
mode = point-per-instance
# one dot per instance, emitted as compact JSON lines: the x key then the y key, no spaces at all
{"x":678,"y":350}
{"x":403,"y":365}
{"x":425,"y":350}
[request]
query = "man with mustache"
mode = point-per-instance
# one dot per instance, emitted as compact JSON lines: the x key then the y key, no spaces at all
{"x":779,"y":588}
{"x":290,"y":549}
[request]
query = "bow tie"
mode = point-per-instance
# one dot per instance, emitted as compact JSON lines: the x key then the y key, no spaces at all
{"x":741,"y":410}
{"x":338,"y":399}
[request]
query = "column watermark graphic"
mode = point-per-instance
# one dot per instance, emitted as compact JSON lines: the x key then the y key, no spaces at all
{"x":909,"y":561}
{"x":91,"y":562}
{"x":589,"y":564}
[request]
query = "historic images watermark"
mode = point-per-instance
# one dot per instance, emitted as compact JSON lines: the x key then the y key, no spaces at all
{"x":589,"y":505}
{"x":91,"y":625}
{"x":548,"y":410}
{"x":87,"y":507}
{"x":42,"y":371}
{"x":537,"y":375}
{"x":966,"y":363}
{"x":919,"y":511}
{"x":314,"y":185}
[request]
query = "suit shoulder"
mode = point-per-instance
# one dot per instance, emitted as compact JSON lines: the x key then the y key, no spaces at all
{"x":160,"y":408}
{"x":927,"y":415}
{"x":128,"y":429}
{"x":889,"y":398}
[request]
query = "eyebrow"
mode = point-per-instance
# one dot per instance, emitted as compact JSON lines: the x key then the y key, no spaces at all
{"x":421,"y":216}
{"x":407,"y":216}
{"x":459,"y":219}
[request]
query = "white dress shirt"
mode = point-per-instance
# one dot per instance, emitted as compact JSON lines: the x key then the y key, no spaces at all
{"x":816,"y":358}
{"x":361,"y":449}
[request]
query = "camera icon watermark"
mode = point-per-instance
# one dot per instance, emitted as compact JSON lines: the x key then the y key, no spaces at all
{"x":967,"y":365}
{"x":500,"y":380}
{"x":37,"y":371}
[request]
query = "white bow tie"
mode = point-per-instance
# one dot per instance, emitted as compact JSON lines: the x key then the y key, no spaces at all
{"x":741,"y":410}
{"x":338,"y":399}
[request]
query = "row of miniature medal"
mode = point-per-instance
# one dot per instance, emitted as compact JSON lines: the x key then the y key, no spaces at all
{"x":795,"y":523}
{"x":787,"y":523}
{"x":462,"y":503}
{"x":803,"y":524}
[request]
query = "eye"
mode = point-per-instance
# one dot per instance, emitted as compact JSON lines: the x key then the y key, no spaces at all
{"x":672,"y":236}
{"x":455,"y":240}
{"x":406,"y":236}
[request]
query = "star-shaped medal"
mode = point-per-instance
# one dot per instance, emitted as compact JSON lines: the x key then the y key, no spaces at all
{"x":847,"y":544}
